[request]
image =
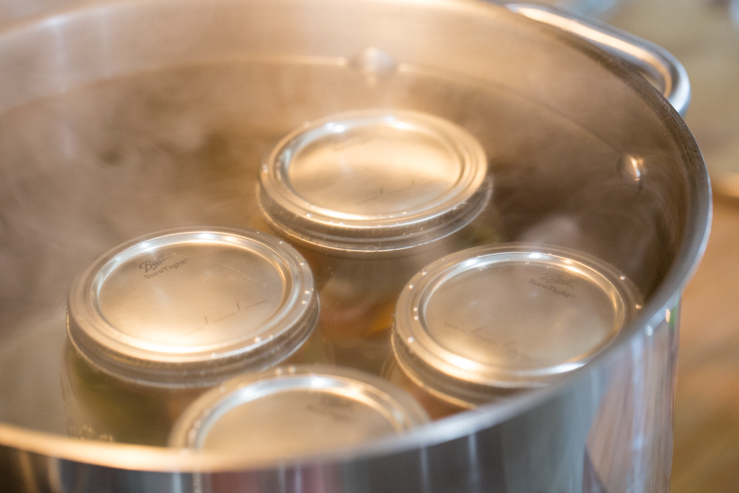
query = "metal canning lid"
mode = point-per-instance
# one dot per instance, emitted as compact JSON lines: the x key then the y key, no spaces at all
{"x":192,"y":306}
{"x":508,"y":316}
{"x":295,"y":411}
{"x":374,"y":181}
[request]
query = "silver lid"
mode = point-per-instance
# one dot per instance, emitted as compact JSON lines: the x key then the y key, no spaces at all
{"x":295,"y":411}
{"x":507,"y":316}
{"x":190,"y":306}
{"x":374,"y":181}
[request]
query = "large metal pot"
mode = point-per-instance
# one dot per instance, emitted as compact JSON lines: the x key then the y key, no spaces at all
{"x":126,"y":117}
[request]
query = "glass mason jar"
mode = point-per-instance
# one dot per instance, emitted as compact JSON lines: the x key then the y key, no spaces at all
{"x":156,"y":321}
{"x":483,"y":323}
{"x":323,"y":407}
{"x":288,"y":412}
{"x":369,"y":198}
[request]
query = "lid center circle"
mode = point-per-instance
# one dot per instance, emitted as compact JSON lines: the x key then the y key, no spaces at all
{"x":380,"y":169}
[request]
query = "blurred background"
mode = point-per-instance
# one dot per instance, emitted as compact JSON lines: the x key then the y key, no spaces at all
{"x":704,"y":36}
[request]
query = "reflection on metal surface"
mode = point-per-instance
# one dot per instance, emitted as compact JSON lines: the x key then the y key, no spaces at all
{"x":658,"y":65}
{"x":592,"y":8}
{"x":648,"y":366}
{"x":12,"y":10}
{"x":373,"y":61}
{"x":631,"y":168}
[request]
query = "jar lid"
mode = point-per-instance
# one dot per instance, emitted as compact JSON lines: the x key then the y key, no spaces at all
{"x":507,"y":316}
{"x":188,"y":307}
{"x":294,"y":411}
{"x":374,"y":181}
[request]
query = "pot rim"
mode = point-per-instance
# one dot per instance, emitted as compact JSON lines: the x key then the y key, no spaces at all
{"x":666,"y":296}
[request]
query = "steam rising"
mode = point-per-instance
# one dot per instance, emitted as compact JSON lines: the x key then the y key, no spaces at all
{"x":84,"y":171}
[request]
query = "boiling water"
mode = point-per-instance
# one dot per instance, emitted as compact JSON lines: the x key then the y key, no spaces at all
{"x":83,"y":171}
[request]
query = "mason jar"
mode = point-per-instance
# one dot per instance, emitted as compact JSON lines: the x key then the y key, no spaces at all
{"x":481,"y":323}
{"x":290,"y":412}
{"x":484,"y":323}
{"x":158,"y":320}
{"x":369,"y":197}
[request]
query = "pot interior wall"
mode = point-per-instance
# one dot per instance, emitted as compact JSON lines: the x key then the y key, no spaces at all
{"x":138,"y":116}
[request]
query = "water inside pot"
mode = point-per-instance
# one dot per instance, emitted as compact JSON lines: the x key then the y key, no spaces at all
{"x":90,"y":168}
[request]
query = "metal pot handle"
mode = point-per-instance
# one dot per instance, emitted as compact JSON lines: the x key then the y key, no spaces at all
{"x":658,"y":65}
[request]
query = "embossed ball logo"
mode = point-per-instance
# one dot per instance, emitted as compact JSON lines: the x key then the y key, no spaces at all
{"x":152,"y":264}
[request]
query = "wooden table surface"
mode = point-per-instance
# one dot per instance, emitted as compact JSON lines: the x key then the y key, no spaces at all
{"x":706,"y":450}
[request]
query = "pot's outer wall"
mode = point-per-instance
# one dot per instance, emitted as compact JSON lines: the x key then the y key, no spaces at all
{"x":651,"y":225}
{"x":524,"y":454}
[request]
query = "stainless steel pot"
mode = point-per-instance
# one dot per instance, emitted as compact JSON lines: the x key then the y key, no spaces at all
{"x":122,"y":118}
